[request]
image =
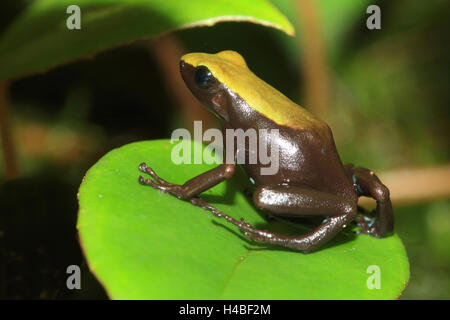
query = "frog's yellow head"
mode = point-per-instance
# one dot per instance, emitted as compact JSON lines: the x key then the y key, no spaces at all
{"x":211,"y":77}
{"x":208,"y":75}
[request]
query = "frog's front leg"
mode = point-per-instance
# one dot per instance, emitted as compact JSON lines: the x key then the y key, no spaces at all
{"x":368,"y":184}
{"x":192,"y":187}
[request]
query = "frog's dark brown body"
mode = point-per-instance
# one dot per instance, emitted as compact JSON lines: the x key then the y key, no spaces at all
{"x":311,"y":180}
{"x":304,"y":151}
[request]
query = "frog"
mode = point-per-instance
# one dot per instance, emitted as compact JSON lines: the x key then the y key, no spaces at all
{"x":311,"y":180}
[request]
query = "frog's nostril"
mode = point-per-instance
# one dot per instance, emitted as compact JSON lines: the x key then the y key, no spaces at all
{"x":182,"y":64}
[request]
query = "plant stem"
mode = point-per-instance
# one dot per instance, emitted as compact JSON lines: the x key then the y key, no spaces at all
{"x":9,"y":154}
{"x":314,"y":64}
{"x":415,"y":185}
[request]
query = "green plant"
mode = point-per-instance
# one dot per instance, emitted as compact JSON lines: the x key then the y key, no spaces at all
{"x":144,"y":244}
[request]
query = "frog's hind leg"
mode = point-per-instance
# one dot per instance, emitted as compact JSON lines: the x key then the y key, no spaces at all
{"x":294,"y":201}
{"x":368,"y":184}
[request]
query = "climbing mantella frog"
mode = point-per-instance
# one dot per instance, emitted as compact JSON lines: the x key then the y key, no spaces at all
{"x":311,"y":180}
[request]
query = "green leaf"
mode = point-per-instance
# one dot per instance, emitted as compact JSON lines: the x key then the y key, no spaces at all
{"x":145,"y":244}
{"x":39,"y":39}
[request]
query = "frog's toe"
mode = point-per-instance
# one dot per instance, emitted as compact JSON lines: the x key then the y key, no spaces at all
{"x":150,"y":182}
{"x":367,"y":225}
{"x":143,"y":167}
{"x":148,"y":170}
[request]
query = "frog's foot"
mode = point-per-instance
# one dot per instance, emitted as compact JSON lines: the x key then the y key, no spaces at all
{"x":304,"y":243}
{"x":263,"y":236}
{"x":146,"y":169}
{"x":241,"y":224}
{"x":158,"y":182}
{"x":367,"y":225}
{"x":301,"y":243}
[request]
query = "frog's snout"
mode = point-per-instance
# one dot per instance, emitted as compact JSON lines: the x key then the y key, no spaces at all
{"x":187,"y":72}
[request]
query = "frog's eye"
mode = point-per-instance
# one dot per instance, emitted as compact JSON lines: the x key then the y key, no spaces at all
{"x":203,"y":77}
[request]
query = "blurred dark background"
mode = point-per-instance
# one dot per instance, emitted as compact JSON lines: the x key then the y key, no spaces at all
{"x":387,"y":101}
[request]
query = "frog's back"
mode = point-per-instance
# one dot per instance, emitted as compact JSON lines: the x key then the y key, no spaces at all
{"x":231,"y":69}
